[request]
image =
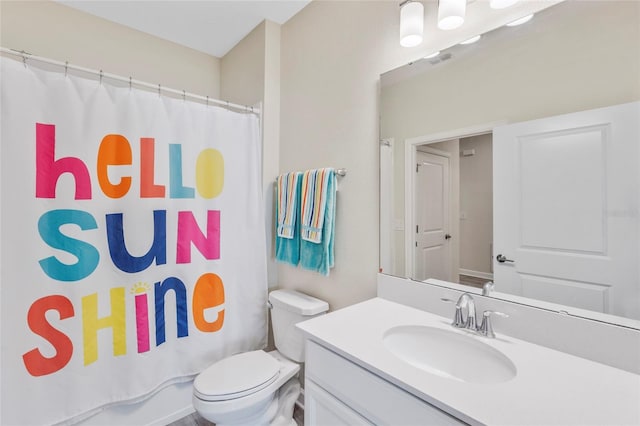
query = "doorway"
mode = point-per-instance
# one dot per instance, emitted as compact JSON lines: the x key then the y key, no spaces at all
{"x":453,"y":242}
{"x":432,"y":252}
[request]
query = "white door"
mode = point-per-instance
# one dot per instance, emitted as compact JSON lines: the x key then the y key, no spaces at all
{"x":432,"y":255}
{"x":566,"y":221}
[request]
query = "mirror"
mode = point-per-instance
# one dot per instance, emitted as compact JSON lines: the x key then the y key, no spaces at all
{"x":443,"y":126}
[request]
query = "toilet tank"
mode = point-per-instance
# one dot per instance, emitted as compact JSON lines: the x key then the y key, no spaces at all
{"x":289,"y":307}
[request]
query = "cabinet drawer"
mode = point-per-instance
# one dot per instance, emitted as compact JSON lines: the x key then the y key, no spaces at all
{"x":374,"y":398}
{"x":323,"y":409}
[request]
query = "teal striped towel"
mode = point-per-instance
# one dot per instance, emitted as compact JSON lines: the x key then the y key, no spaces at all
{"x":287,"y":193}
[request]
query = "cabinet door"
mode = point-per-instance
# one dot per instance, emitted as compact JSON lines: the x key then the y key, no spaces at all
{"x":374,"y":399}
{"x":321,"y":408}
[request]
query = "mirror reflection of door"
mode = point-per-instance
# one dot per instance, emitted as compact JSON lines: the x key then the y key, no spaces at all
{"x":567,"y":220}
{"x":432,"y":253}
{"x":463,"y":253}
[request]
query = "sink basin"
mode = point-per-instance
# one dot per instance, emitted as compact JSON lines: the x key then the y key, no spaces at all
{"x":450,"y":354}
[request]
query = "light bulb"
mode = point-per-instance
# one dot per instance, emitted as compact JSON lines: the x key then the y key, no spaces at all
{"x":411,"y":23}
{"x":451,"y":14}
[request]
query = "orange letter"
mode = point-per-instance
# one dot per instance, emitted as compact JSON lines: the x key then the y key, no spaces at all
{"x":208,"y":293}
{"x":114,"y":151}
{"x":36,"y":363}
{"x":148,"y":189}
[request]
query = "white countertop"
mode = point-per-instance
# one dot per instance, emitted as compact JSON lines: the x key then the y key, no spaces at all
{"x":550,"y":388}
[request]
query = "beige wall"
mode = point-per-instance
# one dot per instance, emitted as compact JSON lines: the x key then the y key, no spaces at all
{"x":332,"y":55}
{"x":250,"y":73}
{"x":476,"y":204}
{"x":242,"y":69}
{"x":48,"y":29}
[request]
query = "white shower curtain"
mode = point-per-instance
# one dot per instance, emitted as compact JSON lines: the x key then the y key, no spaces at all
{"x":133,"y":244}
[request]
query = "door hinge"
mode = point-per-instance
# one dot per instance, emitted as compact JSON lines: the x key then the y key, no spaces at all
{"x":416,"y":229}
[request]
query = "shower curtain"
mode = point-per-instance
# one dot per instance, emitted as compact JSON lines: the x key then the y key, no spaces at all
{"x":133,"y":250}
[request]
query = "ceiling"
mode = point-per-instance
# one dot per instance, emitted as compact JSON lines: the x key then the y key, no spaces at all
{"x":216,"y":26}
{"x":210,"y":26}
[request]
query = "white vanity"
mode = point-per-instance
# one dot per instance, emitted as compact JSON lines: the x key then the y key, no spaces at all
{"x":362,"y":368}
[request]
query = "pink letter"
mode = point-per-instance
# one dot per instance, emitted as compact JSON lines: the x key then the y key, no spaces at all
{"x":189,"y":232}
{"x":142,"y":322}
{"x":48,"y":170}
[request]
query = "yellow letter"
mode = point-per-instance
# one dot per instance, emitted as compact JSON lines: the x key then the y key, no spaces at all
{"x":91,"y":324}
{"x":209,"y":173}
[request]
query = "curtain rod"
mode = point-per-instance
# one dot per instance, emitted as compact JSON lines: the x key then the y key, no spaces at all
{"x":28,"y":56}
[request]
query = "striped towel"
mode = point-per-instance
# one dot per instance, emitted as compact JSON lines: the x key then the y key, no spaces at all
{"x":286,"y":193}
{"x":314,"y":201}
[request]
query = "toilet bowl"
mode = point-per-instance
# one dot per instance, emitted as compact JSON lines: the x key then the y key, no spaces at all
{"x":260,"y":388}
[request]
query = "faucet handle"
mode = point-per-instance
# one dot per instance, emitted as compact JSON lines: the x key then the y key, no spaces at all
{"x":486,"y":329}
{"x":487,"y":288}
{"x":457,"y":320}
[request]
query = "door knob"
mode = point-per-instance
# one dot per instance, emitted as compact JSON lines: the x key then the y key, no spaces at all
{"x":447,"y":237}
{"x":500,"y":258}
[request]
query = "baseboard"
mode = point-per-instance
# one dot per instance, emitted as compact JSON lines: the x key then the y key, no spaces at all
{"x":477,"y":274}
{"x":177,"y":415}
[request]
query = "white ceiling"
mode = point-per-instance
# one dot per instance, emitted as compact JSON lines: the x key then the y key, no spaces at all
{"x":210,"y":26}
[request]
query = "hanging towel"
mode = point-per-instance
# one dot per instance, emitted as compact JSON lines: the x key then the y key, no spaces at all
{"x":318,"y":213}
{"x":314,"y":202}
{"x":287,"y":194}
{"x":288,"y":248}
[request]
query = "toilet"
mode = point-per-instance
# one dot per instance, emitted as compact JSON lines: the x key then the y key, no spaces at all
{"x":258,"y":387}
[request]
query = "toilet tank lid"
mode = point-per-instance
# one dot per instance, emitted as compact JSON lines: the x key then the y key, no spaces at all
{"x":297,"y":302}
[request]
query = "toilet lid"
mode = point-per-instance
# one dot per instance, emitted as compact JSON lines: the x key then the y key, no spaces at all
{"x":236,"y":376}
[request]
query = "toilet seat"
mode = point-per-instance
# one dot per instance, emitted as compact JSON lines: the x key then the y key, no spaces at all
{"x":236,"y":376}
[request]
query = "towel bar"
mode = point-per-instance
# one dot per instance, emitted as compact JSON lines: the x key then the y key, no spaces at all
{"x":339,"y":172}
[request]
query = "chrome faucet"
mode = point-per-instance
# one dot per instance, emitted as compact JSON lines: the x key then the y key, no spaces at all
{"x":486,"y":329}
{"x":465,"y":301}
{"x":470,"y":322}
{"x":487,"y":288}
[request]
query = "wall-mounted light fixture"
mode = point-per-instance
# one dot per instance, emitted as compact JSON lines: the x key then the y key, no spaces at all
{"x":451,"y":13}
{"x":411,"y":23}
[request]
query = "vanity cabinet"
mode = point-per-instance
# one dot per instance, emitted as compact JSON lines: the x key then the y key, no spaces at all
{"x":339,"y":392}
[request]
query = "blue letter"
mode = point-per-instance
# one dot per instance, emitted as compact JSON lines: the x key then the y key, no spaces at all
{"x":176,"y":190}
{"x":87,"y":255}
{"x":180,"y":290}
{"x":118,"y":250}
